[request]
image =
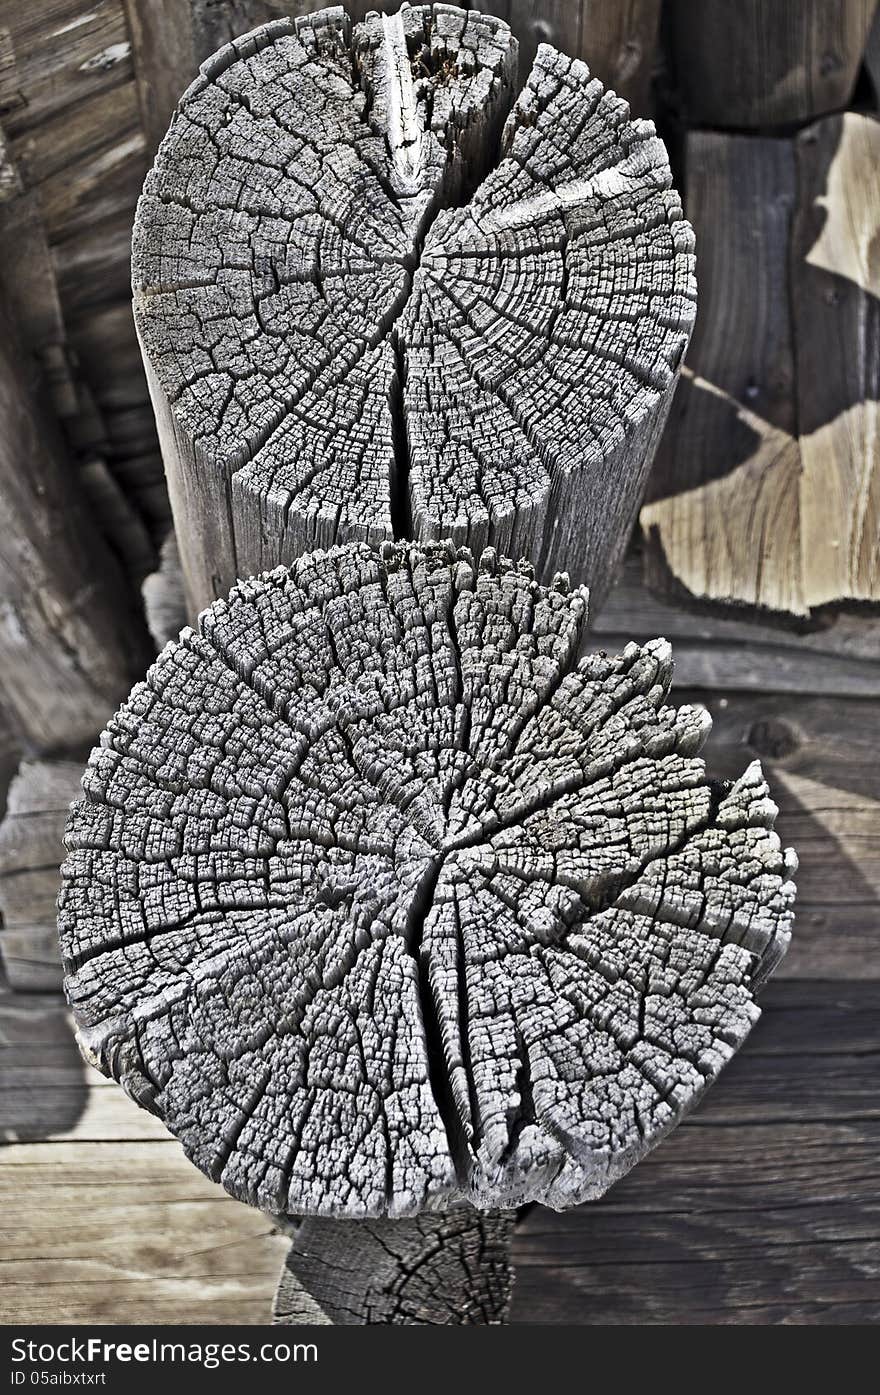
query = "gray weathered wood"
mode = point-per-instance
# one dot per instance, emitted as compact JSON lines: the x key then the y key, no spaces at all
{"x":761,"y":1210}
{"x":357,"y":350}
{"x":164,"y":595}
{"x":374,"y":822}
{"x":68,"y":645}
{"x":31,"y":851}
{"x":723,"y":651}
{"x":70,"y":112}
{"x":835,"y":281}
{"x":766,"y":491}
{"x":616,"y":38}
{"x":440,"y":1269}
{"x":766,"y":62}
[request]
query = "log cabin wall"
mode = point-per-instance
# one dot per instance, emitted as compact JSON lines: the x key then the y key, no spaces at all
{"x":782,"y":1166}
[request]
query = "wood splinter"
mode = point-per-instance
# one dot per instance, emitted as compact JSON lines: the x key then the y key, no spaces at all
{"x":396,"y":913}
{"x":372,"y":304}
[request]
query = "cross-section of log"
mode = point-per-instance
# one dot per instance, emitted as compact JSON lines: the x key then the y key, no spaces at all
{"x":766,"y":487}
{"x":385,"y":902}
{"x":367,"y":311}
{"x":446,"y":1270}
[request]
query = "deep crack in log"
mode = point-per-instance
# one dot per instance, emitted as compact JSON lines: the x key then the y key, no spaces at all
{"x":363,"y":967}
{"x":369,"y":306}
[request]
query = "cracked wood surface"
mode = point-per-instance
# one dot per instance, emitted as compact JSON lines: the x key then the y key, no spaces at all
{"x":761,"y":1208}
{"x":384,"y":901}
{"x":444,"y":1270}
{"x":362,"y":319}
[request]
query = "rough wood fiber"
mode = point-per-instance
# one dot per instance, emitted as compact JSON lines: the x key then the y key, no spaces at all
{"x":31,"y":848}
{"x":384,"y":902}
{"x":766,"y":487}
{"x":164,"y":596}
{"x":766,"y":62}
{"x":761,"y":1208}
{"x":616,"y":37}
{"x":365,"y":347}
{"x":442,"y":1270}
{"x":69,"y":109}
{"x":721,"y":650}
{"x":169,"y":40}
{"x":68,"y":648}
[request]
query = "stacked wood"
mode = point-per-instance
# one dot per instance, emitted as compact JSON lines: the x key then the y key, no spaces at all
{"x":68,"y":104}
{"x":384,"y":902}
{"x":385,"y":329}
{"x":757,"y":64}
{"x":68,"y":644}
{"x":31,"y":852}
{"x":766,"y":489}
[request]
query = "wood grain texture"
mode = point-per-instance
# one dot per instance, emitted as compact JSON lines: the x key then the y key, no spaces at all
{"x":352,"y":356}
{"x":818,"y":755}
{"x":760,"y":1209}
{"x":490,"y":885}
{"x":763,"y":1207}
{"x":68,"y":645}
{"x":31,"y":852}
{"x":835,"y":271}
{"x":447,"y":1270}
{"x":765,"y":492}
{"x":164,"y":595}
{"x":761,"y":64}
{"x":616,"y":38}
{"x":722,"y":651}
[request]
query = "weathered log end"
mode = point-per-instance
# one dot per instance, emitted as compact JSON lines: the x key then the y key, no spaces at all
{"x":390,"y":905}
{"x":31,"y":846}
{"x":371,"y":307}
{"x":442,"y":1270}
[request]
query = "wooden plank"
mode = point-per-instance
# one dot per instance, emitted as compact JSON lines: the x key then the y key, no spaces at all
{"x":57,"y":54}
{"x":164,"y":60}
{"x":766,"y":491}
{"x":761,"y":1208}
{"x":819,"y":757}
{"x":835,"y":281}
{"x":759,"y":64}
{"x":721,"y":520}
{"x":128,"y":1233}
{"x":715,"y":649}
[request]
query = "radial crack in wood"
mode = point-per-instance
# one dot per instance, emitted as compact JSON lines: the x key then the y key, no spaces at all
{"x":369,"y":306}
{"x":386,"y":903}
{"x":442,"y":1270}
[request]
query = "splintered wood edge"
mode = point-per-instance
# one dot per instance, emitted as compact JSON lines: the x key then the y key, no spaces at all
{"x":385,"y":902}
